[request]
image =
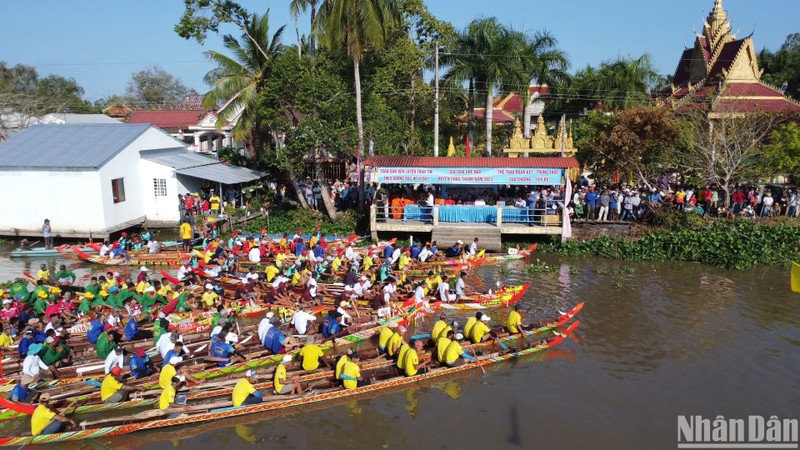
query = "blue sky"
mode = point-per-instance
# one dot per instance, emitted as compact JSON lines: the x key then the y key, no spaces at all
{"x":101,"y":43}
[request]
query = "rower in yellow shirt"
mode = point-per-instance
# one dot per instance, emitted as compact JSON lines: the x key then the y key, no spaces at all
{"x":344,"y":359}
{"x":438,"y":327}
{"x":451,"y":354}
{"x":312,"y":355}
{"x":414,"y":359}
{"x":351,"y":373}
{"x":244,"y":393}
{"x":6,"y":340}
{"x":480,"y":331}
{"x":271,"y":272}
{"x":168,"y":401}
{"x":404,"y":261}
{"x":369,"y":261}
{"x":401,"y":355}
{"x":393,"y":346}
{"x":45,"y":421}
{"x":471,"y":322}
{"x":514,"y":323}
{"x":386,"y":334}
{"x":43,"y":273}
{"x":279,"y":383}
{"x":209,"y":297}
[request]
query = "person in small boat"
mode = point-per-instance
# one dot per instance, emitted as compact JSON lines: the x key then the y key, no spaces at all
{"x":480,"y":331}
{"x":279,"y":382}
{"x":449,"y":351}
{"x":514,"y":323}
{"x":32,"y":366}
{"x":141,"y":365}
{"x":439,"y":328}
{"x":169,"y":401}
{"x":46,"y":421}
{"x":177,"y":350}
{"x":170,"y":370}
{"x":114,"y":390}
{"x":351,"y":373}
{"x":244,"y":393}
{"x":116,"y":358}
{"x":415,"y":358}
{"x":443,"y":291}
{"x":395,"y":342}
{"x":471,"y":322}
{"x":385,"y":336}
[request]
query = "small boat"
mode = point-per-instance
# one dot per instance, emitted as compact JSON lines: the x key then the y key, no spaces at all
{"x":513,"y":255}
{"x":163,"y":258}
{"x":41,"y":252}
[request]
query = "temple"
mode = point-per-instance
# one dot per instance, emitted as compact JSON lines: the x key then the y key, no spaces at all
{"x":720,"y":74}
{"x":540,"y":142}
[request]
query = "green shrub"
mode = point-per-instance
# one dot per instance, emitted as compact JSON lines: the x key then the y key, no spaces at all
{"x":733,"y":244}
{"x":288,"y":221}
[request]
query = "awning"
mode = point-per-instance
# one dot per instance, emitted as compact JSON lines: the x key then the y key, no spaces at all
{"x":200,"y":166}
{"x":221,"y":173}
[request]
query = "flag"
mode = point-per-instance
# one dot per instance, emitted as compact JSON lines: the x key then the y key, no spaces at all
{"x":566,"y":226}
{"x":371,"y":148}
{"x":466,"y":153}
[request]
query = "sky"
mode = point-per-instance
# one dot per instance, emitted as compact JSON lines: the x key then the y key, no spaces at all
{"x":101,"y":43}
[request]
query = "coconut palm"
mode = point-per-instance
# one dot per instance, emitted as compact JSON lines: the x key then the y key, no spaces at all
{"x":296,"y":7}
{"x":238,"y":79}
{"x":489,"y":57}
{"x":356,"y":27}
{"x":627,"y":81}
{"x":544,"y":64}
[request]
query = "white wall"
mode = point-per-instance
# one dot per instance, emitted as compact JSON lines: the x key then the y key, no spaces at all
{"x":137,"y":173}
{"x":160,"y":209}
{"x":71,"y":199}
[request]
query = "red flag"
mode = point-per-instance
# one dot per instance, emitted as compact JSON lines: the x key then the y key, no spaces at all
{"x":466,"y":153}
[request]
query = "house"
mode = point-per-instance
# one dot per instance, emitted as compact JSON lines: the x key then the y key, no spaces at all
{"x":720,"y":75}
{"x":102,"y":178}
{"x":195,"y":127}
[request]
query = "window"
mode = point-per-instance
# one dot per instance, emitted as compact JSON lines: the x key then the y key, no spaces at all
{"x":118,"y":190}
{"x":160,"y":187}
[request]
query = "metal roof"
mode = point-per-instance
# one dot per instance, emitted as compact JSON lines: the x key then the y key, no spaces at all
{"x":197,"y":165}
{"x":222,"y":173}
{"x":177,"y":158}
{"x":430,"y":161}
{"x":70,"y":118}
{"x":80,"y":146}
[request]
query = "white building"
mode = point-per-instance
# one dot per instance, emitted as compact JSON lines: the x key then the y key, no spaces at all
{"x":101,"y":178}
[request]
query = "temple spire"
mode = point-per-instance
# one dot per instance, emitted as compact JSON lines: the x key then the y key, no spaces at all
{"x":717,"y":28}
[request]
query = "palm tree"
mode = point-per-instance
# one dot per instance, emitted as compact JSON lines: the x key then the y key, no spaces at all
{"x":544,"y":64}
{"x":628,"y":81}
{"x":238,"y":79}
{"x":356,"y":27}
{"x":296,"y":7}
{"x":488,"y":56}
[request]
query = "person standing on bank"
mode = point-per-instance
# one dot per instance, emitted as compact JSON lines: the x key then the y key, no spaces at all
{"x":47,"y":234}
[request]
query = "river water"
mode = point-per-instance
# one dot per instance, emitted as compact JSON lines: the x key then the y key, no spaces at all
{"x":656,"y":340}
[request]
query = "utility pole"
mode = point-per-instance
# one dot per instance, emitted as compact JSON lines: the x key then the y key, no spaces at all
{"x":563,"y":133}
{"x":436,"y":105}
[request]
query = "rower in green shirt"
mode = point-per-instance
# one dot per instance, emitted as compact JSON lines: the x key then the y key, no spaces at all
{"x":150,"y":298}
{"x":105,"y":343}
{"x":182,"y":304}
{"x":21,"y":289}
{"x":40,"y":304}
{"x":64,"y":276}
{"x":93,"y":287}
{"x":100,"y":300}
{"x":86,"y":303}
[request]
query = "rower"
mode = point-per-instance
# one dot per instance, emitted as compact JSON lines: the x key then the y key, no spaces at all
{"x":331,"y":326}
{"x":115,"y":358}
{"x":480,"y":331}
{"x":167,"y":342}
{"x":265,"y":325}
{"x":244,"y":393}
{"x":438,"y":329}
{"x":209,"y":297}
{"x":460,"y":286}
{"x":169,"y":371}
{"x":514,"y":323}
{"x":346,"y":319}
{"x":312,"y":356}
{"x":132,"y":331}
{"x":414,"y":359}
{"x":114,"y":390}
{"x":177,"y":350}
{"x":451,"y":354}
{"x":341,"y":362}
{"x":471,"y":322}
{"x":44,"y":273}
{"x":141,"y":365}
{"x":351,"y":373}
{"x":45,"y":421}
{"x":303,"y":321}
{"x":224,"y":352}
{"x":32,"y":366}
{"x":401,"y":356}
{"x":168,"y":401}
{"x":279,"y":378}
{"x":393,"y":346}
{"x":386,"y":334}
{"x":443,"y":291}
{"x":473,"y":247}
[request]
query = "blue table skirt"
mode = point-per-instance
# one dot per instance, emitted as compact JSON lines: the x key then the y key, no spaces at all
{"x":416,"y":212}
{"x":473,"y":214}
{"x":511,"y":214}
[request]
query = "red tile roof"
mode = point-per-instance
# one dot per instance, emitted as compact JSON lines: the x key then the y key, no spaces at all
{"x":498,"y":115}
{"x":755,"y":105}
{"x":177,"y":118}
{"x":752,"y":90}
{"x":430,"y":161}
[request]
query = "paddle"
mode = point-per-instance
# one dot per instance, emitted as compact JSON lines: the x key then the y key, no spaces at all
{"x":475,"y":355}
